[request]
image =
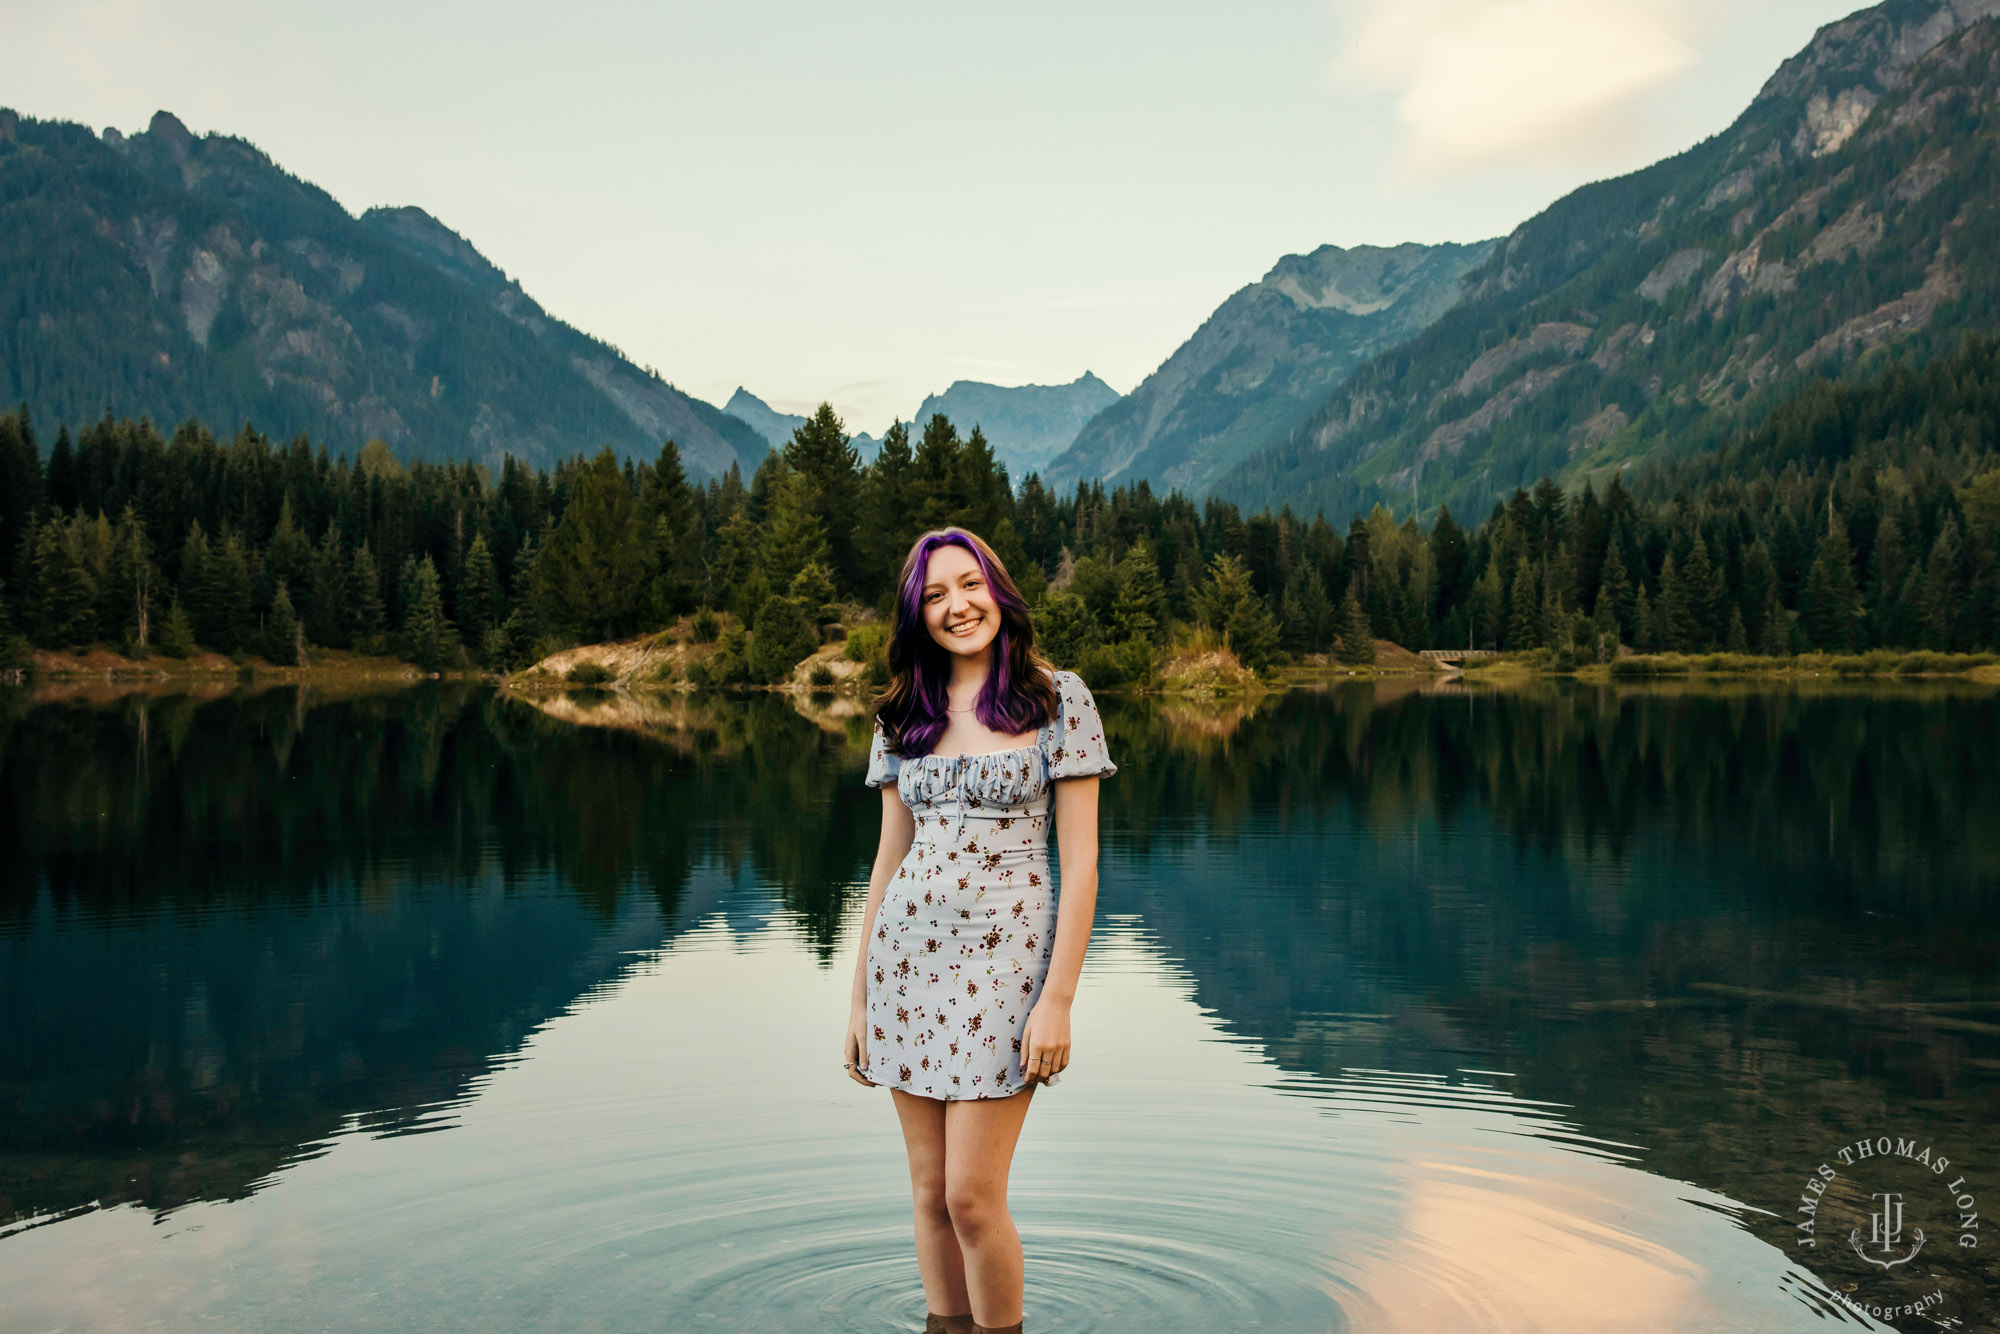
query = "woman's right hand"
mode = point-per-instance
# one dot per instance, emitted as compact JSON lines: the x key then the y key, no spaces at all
{"x":855,"y":1051}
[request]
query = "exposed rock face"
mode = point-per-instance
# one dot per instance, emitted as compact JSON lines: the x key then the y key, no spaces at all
{"x":1264,"y":360}
{"x":198,"y":279}
{"x":1832,"y":218}
{"x":1027,"y":425}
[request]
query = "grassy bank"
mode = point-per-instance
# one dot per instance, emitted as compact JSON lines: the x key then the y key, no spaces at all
{"x":1901,"y":663}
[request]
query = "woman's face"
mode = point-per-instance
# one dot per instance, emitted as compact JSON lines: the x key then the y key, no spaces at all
{"x":959,"y":610}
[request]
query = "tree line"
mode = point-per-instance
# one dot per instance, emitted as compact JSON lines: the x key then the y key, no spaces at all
{"x":1857,"y":515}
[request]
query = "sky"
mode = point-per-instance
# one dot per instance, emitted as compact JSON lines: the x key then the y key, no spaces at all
{"x":861,"y":203}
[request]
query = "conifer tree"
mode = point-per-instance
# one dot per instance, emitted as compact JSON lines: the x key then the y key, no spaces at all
{"x":429,"y":638}
{"x":1673,"y":617}
{"x":65,"y":594}
{"x":1139,"y":607}
{"x":1645,"y":626}
{"x":328,"y":600}
{"x":796,"y":536}
{"x":1356,"y":644}
{"x":889,"y":510}
{"x":591,"y":577}
{"x":1943,"y":596}
{"x":829,"y":487}
{"x":289,"y":553}
{"x":284,"y":637}
{"x":234,"y":593}
{"x":1064,"y":629}
{"x":1524,"y":605}
{"x":1309,"y":619}
{"x":1705,"y":597}
{"x":479,"y":601}
{"x":177,"y":632}
{"x":64,"y":482}
{"x":130,"y":583}
{"x":1760,"y":595}
{"x":1829,"y":603}
{"x":1489,"y":600}
{"x":370,"y":617}
{"x":781,"y":639}
{"x":1231,"y":605}
{"x":1738,"y":639}
{"x":1614,"y":594}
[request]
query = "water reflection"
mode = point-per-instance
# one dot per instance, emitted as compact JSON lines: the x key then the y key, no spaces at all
{"x":1418,"y":1009}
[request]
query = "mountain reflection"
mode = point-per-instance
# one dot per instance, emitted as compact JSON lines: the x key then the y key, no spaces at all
{"x":1725,"y":927}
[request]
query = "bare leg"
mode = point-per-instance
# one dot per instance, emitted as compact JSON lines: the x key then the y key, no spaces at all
{"x":979,"y":1150}
{"x":938,"y":1257}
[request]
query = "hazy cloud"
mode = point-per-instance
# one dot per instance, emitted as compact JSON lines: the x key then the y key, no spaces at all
{"x":1479,"y":83}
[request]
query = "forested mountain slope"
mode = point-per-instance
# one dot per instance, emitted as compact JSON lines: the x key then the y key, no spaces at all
{"x":1263,"y":361}
{"x":183,"y":276}
{"x":1854,"y":206}
{"x":1026,"y":424}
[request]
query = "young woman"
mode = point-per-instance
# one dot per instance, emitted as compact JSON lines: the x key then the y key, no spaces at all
{"x":967,"y":963}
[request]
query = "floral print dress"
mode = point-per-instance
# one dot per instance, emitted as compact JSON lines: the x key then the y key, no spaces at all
{"x":967,"y":924}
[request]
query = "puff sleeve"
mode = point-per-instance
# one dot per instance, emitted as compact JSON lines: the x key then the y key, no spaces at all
{"x":884,"y":765}
{"x":1074,"y":741}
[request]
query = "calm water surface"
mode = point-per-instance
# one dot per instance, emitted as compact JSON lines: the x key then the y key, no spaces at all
{"x":1406,"y":1010}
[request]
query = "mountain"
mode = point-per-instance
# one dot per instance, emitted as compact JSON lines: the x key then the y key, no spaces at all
{"x":776,"y":427}
{"x":1850,"y":208}
{"x":1027,"y":425}
{"x":1265,"y":359}
{"x":188,"y":276}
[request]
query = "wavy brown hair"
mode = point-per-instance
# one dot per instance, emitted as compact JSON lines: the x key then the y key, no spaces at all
{"x":1020,"y":691}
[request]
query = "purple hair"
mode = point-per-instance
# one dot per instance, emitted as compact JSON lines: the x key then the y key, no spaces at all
{"x":1019,"y":693}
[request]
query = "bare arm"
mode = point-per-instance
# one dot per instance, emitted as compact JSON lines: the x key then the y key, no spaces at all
{"x":899,"y":831}
{"x":1047,"y":1041}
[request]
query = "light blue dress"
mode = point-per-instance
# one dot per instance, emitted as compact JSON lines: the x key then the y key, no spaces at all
{"x":967,"y":924}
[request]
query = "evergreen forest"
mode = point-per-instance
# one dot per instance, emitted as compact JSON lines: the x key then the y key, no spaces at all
{"x":1858,"y":514}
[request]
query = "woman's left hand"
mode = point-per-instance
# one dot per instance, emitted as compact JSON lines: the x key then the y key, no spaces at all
{"x":1045,"y":1040}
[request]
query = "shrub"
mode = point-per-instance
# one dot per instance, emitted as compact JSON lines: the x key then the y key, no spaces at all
{"x":667,"y":672}
{"x":821,"y":675}
{"x":784,"y":636}
{"x":706,"y":627}
{"x":864,"y":643}
{"x":589,"y":674}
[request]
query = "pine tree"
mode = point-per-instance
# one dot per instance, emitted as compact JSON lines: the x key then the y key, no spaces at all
{"x":1706,"y":597}
{"x":1774,"y":633}
{"x":199,"y":592}
{"x":889,"y":507}
{"x":370,"y":617}
{"x":65,"y":594}
{"x":479,"y":602}
{"x":1489,"y":600}
{"x":329,"y":596}
{"x":828,"y":469}
{"x":1065,"y":630}
{"x":1356,"y":638}
{"x":1738,"y":640}
{"x":428,"y":637}
{"x":1614,"y":593}
{"x":289,"y":554}
{"x":1760,"y":594}
{"x":64,"y":480}
{"x":1309,"y":619}
{"x":1645,"y":626}
{"x":284,"y":637}
{"x":1942,"y":600}
{"x":796,"y":537}
{"x":1139,"y":607}
{"x":812,"y":589}
{"x":1524,"y":605}
{"x":1230,"y":604}
{"x":781,"y":639}
{"x":667,"y":506}
{"x":177,"y":632}
{"x":1830,"y":604}
{"x":1672,"y":614}
{"x":591,"y":577}
{"x":131,"y":583}
{"x":235,"y":593}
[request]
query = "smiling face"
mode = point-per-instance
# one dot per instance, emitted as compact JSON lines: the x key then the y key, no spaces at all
{"x":959,"y":610}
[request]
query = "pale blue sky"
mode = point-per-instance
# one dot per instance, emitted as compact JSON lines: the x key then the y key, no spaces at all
{"x":865,"y":202}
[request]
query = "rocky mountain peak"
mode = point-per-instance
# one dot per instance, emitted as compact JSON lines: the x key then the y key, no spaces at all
{"x":423,"y":235}
{"x":166,"y":128}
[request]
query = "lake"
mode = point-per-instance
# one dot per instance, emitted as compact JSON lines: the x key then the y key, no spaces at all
{"x":1407,"y":1009}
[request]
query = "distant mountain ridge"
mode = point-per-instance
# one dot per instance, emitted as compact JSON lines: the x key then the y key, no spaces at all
{"x":777,"y":427}
{"x":187,"y":276}
{"x":1028,"y":424}
{"x":1854,"y":205}
{"x":1264,"y":361}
